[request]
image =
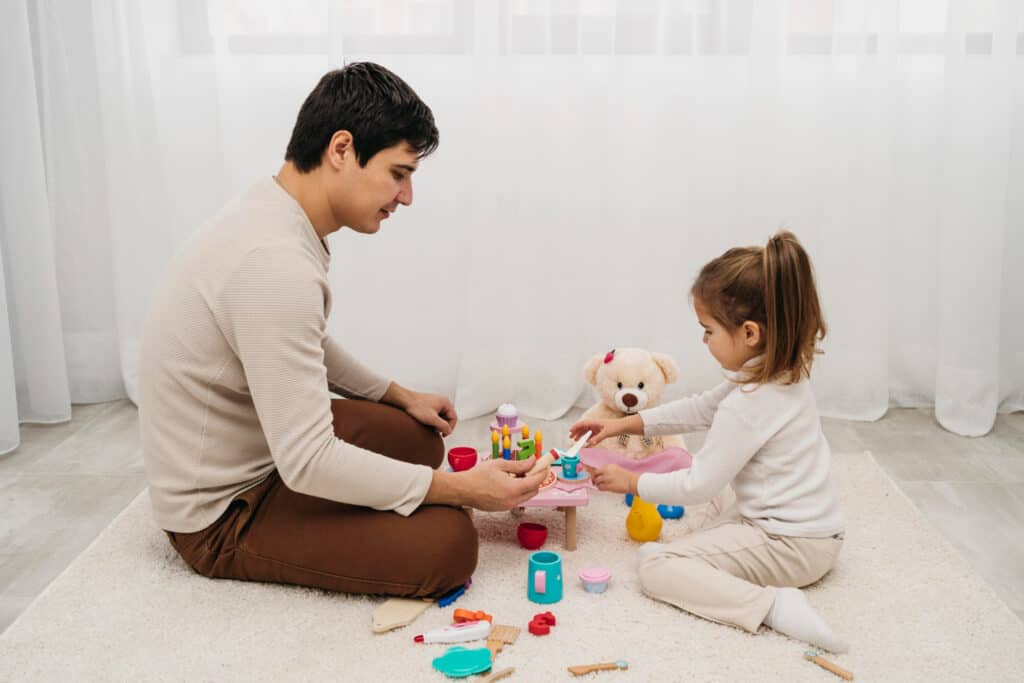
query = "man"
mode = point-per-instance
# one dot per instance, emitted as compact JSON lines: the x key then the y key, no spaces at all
{"x":255,"y":472}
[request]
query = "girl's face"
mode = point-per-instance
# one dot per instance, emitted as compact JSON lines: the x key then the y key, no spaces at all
{"x":731,"y":348}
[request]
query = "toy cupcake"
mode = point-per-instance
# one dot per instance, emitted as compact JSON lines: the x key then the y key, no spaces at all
{"x":507,"y":415}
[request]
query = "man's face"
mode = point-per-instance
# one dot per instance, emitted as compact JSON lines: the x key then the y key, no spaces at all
{"x":363,"y":196}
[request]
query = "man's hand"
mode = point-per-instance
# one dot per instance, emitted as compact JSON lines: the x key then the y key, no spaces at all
{"x":488,"y":486}
{"x":491,"y":488}
{"x":434,"y":411}
{"x":614,"y":478}
{"x":429,"y":409}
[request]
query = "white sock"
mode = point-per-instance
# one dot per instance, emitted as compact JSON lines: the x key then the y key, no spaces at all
{"x":649,"y":550}
{"x":793,"y":616}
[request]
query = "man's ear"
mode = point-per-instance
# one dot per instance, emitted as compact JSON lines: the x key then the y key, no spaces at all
{"x":751,"y":334}
{"x":340,"y":148}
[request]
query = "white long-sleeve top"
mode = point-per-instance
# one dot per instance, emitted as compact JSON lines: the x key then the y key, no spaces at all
{"x":765,"y":440}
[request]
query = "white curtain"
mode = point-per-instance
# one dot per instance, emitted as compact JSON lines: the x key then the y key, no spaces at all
{"x":594,"y":154}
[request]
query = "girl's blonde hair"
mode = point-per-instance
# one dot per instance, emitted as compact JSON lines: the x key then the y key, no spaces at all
{"x":772,"y":286}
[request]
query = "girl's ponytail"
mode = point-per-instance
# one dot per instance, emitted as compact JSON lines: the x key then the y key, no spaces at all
{"x":793,"y":319}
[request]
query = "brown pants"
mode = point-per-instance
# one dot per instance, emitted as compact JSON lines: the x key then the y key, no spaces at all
{"x":271,"y":533}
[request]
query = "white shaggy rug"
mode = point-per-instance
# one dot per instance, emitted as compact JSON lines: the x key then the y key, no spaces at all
{"x":129,"y":609}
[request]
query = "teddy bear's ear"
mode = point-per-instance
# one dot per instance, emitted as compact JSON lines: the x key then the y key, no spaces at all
{"x":667,"y":365}
{"x":590,"y":369}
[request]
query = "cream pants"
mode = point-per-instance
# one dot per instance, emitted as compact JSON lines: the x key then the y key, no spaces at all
{"x":726,"y":568}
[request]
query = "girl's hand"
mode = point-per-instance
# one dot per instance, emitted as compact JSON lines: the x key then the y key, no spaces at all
{"x":614,"y":478}
{"x":602,"y":429}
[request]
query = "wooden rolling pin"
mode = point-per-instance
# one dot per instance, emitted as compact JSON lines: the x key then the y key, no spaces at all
{"x":583,"y":669}
{"x":829,"y":666}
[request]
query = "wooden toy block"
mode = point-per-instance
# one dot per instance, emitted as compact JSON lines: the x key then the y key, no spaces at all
{"x":500,"y":636}
{"x":397,"y":612}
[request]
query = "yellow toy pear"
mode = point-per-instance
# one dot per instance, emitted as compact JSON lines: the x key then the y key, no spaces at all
{"x":643,"y":523}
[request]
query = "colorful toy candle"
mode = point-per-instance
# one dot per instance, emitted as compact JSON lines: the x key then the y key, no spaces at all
{"x":495,"y":450}
{"x":526,"y":432}
{"x":539,"y":442}
{"x":506,"y":446}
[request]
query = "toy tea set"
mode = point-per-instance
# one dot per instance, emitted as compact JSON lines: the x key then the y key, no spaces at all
{"x":566,"y":487}
{"x":626,"y":381}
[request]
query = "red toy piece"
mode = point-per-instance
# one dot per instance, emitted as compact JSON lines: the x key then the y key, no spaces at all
{"x":541,"y":624}
{"x":538,"y":628}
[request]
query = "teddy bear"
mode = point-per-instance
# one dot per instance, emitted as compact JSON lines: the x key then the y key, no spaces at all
{"x":627,"y":381}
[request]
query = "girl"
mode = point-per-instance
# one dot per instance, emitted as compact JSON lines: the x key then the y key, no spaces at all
{"x":779,"y":527}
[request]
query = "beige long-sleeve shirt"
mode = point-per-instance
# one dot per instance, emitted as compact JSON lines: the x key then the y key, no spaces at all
{"x":235,"y":367}
{"x":767,"y":442}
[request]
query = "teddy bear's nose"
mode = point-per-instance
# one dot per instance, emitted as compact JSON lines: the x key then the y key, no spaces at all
{"x":629,"y":399}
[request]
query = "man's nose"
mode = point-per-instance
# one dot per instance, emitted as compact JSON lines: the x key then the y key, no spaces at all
{"x":404,"y":196}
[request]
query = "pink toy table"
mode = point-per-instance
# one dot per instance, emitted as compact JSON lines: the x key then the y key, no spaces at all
{"x":566,"y":496}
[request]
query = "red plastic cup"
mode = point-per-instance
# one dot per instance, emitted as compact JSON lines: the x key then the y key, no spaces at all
{"x":462,"y":457}
{"x":531,"y":535}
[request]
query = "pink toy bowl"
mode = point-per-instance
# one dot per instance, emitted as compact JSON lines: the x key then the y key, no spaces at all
{"x":532,"y":536}
{"x":462,"y":457}
{"x":595,"y":579}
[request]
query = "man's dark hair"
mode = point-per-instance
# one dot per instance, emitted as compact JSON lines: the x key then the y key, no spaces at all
{"x":367,"y":100}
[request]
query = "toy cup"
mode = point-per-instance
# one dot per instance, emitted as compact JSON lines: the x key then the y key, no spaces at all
{"x":531,"y":536}
{"x":544,"y":578}
{"x":595,"y":579}
{"x":570,"y":465}
{"x":462,"y":458}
